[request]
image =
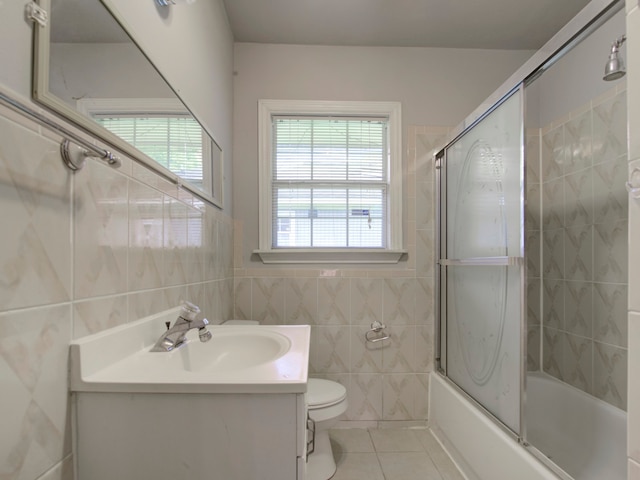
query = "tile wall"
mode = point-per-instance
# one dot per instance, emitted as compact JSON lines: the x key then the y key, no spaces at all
{"x":386,"y":380}
{"x":81,"y":253}
{"x":583,"y":230}
{"x":532,"y":242}
{"x":633,"y":115}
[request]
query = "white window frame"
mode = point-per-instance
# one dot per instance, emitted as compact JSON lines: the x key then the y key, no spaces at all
{"x":267,"y":109}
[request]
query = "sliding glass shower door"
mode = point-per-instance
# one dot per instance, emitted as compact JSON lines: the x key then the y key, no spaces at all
{"x":481,"y":261}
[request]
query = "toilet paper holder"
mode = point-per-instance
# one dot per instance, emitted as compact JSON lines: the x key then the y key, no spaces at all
{"x":374,"y":335}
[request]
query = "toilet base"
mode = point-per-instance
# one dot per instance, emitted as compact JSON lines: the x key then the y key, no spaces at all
{"x":321,"y":464}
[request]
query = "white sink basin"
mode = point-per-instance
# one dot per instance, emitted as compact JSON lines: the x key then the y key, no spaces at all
{"x":230,"y":349}
{"x":237,"y":359}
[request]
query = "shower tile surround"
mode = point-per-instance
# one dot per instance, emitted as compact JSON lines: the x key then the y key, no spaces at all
{"x":579,"y":186}
{"x":385,"y":381}
{"x":82,"y":253}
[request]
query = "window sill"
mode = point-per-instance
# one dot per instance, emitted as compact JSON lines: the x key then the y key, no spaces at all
{"x":338,"y":255}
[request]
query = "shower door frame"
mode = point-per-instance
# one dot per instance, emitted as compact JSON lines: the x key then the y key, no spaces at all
{"x":582,"y":25}
{"x":442,"y":262}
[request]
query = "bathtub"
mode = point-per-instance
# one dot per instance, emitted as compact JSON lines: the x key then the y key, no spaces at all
{"x":585,"y":436}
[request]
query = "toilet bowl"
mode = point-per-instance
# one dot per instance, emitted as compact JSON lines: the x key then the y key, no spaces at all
{"x":326,"y":401}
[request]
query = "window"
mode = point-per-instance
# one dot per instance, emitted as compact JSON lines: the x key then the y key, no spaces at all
{"x":330,"y":182}
{"x":161,"y":129}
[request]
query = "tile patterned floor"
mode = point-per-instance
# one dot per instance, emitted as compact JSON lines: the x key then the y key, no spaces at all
{"x":390,"y":454}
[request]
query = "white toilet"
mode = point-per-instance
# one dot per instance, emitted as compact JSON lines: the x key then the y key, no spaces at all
{"x":326,"y":401}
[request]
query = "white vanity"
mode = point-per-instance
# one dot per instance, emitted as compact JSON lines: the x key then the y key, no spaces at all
{"x":229,"y":409}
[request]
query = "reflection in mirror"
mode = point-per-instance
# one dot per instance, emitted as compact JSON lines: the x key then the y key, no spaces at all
{"x":95,"y":69}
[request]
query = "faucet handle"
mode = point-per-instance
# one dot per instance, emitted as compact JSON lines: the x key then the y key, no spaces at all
{"x":189,"y":311}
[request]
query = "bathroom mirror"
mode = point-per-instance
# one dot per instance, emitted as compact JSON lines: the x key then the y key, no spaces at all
{"x":90,"y":70}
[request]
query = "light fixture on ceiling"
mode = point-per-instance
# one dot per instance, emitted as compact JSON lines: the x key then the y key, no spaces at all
{"x":614,"y":69}
{"x":166,"y":3}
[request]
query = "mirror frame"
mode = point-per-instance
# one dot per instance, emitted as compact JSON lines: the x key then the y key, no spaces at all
{"x":42,"y":95}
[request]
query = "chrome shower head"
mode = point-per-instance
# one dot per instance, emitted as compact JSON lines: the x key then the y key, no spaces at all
{"x":614,"y":69}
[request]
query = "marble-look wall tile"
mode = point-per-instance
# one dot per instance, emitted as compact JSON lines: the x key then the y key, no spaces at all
{"x":143,"y":304}
{"x":578,"y":253}
{"x":533,"y":212}
{"x":425,"y":301}
{"x":225,"y":245}
{"x":578,"y":308}
{"x":610,"y":251}
{"x":95,"y":249}
{"x":399,"y":354}
{"x":610,"y":129}
{"x":146,"y":235}
{"x":553,"y":153}
{"x":585,"y":246}
{"x":553,"y":253}
{"x":35,"y":259}
{"x":398,"y":301}
{"x":553,"y":352}
{"x":211,"y":253}
{"x":212,"y":307}
{"x":533,"y":348}
{"x":196,"y":294}
{"x":97,"y":314}
{"x":577,"y":140}
{"x":610,"y":374}
{"x":195,"y":245}
{"x":35,"y":419}
{"x":425,"y":346}
{"x":532,"y":158}
{"x":553,"y":204}
{"x":427,"y":145}
{"x":301,"y":301}
{"x":611,"y":199}
{"x":267,"y":300}
{"x":332,"y":349}
{"x":534,"y":292}
{"x":242,"y":298}
{"x":421,"y":400}
{"x":334,"y":298}
{"x":398,"y":396}
{"x":365,"y":397}
{"x":610,"y":314}
{"x":101,"y":229}
{"x":553,"y":303}
{"x":175,"y":242}
{"x":425,"y":206}
{"x":532,"y":252}
{"x":366,"y":300}
{"x":578,"y":198}
{"x":577,"y":365}
{"x":425,"y":253}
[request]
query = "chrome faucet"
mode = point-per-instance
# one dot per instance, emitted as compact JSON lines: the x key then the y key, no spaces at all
{"x":176,"y":336}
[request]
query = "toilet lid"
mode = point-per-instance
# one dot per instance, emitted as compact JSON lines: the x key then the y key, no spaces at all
{"x":324,"y":392}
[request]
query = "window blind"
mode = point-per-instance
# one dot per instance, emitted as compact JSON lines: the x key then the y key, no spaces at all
{"x":329,"y":182}
{"x":173,"y":140}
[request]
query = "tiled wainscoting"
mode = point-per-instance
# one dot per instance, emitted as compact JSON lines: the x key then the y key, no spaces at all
{"x":386,"y":380}
{"x":80,"y":253}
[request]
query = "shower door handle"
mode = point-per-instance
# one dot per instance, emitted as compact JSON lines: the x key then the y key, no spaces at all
{"x":482,"y":261}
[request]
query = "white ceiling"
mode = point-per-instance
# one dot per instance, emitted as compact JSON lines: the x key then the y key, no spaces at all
{"x":491,"y":24}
